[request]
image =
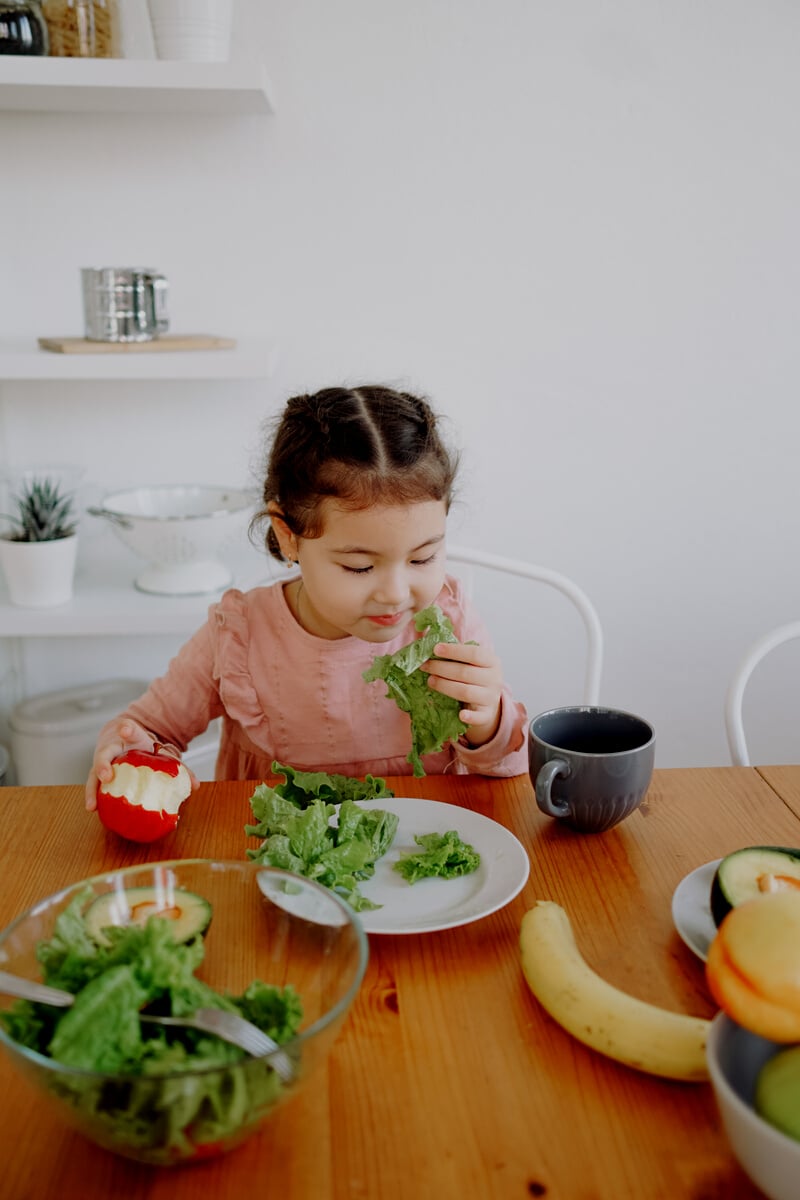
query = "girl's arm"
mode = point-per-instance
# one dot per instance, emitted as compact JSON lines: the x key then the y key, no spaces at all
{"x":177,"y":707}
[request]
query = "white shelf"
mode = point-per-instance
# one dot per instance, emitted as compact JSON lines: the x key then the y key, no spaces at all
{"x":249,"y":359}
{"x":107,"y":604}
{"x":118,"y":85}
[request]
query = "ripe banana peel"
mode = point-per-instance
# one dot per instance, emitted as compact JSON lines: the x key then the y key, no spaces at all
{"x":619,"y":1025}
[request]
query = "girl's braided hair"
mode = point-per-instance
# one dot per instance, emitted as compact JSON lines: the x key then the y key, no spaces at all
{"x":362,"y":446}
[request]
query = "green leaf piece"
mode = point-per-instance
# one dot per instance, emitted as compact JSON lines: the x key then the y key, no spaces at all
{"x":442,"y":854}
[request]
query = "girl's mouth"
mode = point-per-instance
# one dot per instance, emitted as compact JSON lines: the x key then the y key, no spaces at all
{"x":392,"y":619}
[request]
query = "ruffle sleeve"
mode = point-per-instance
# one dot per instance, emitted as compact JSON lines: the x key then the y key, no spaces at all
{"x":233,"y":620}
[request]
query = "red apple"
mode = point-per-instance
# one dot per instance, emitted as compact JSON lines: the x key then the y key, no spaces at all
{"x":141,"y":801}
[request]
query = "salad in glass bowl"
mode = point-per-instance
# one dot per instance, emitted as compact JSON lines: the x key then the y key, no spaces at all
{"x":166,"y":939}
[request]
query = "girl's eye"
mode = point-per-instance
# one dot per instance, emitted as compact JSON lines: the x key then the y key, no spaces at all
{"x":415,"y":562}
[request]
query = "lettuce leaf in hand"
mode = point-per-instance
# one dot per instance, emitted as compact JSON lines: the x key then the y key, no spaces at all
{"x":442,"y":854}
{"x":434,"y":716}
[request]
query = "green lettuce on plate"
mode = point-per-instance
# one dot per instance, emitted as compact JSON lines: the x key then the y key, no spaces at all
{"x":295,"y":822}
{"x":434,"y":717}
{"x":302,"y":787}
{"x":442,"y":854}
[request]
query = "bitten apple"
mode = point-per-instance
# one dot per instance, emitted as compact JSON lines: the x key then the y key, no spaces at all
{"x":141,"y":801}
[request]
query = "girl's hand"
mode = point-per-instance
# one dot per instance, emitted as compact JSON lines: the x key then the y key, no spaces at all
{"x":472,"y":675}
{"x":121,"y":736}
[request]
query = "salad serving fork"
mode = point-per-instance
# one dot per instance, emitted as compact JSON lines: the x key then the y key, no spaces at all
{"x":226,"y":1025}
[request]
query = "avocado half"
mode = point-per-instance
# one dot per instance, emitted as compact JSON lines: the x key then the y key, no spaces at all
{"x":189,"y":913}
{"x":750,"y":872}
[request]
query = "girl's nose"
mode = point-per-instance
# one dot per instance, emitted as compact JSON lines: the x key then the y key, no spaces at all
{"x":391,"y":588}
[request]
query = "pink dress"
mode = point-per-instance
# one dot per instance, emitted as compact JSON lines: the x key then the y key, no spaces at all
{"x":286,"y":695}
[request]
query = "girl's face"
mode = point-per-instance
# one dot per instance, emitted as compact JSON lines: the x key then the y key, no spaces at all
{"x":371,"y":570}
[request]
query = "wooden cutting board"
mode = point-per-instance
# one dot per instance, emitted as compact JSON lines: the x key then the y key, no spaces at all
{"x":170,"y":341}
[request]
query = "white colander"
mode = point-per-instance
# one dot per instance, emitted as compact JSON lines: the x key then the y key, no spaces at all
{"x":180,"y":531}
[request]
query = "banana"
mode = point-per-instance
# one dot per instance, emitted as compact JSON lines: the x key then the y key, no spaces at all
{"x":619,"y":1025}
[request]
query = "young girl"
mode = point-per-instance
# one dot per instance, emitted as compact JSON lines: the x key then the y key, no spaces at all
{"x":356,"y":495}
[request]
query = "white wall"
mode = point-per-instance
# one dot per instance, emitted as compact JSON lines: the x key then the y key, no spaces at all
{"x":572,"y":224}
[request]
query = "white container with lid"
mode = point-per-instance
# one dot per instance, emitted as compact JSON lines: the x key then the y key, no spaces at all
{"x":53,"y":735}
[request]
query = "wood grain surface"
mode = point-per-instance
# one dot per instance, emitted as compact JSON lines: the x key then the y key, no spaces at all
{"x":447,"y":1080}
{"x":786,"y":782}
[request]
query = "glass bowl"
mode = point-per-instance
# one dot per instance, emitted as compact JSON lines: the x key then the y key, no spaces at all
{"x":265,"y":924}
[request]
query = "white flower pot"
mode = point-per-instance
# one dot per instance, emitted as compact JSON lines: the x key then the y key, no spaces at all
{"x":197,"y":30}
{"x":39,"y":574}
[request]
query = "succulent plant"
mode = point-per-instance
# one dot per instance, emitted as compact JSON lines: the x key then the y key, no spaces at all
{"x":45,"y":513}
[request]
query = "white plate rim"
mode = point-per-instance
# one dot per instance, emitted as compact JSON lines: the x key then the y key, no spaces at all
{"x":431,"y":905}
{"x":691,"y":909}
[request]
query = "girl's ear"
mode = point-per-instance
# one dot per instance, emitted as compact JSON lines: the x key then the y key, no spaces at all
{"x":286,"y":539}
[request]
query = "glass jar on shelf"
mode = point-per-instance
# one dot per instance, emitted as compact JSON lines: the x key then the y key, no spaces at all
{"x":23,"y":29}
{"x":82,"y":28}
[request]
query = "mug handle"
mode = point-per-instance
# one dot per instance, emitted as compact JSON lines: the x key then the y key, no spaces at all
{"x":544,"y":782}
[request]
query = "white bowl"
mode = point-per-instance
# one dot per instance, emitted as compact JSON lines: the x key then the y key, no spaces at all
{"x":771,"y":1158}
{"x":180,"y":531}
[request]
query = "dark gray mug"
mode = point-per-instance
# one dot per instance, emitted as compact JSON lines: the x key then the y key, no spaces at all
{"x":590,"y":766}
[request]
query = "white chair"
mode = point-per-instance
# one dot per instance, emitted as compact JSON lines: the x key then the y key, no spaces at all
{"x":734,"y":724}
{"x":587,"y":611}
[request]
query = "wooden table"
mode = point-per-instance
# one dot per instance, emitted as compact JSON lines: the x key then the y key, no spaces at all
{"x":447,"y":1080}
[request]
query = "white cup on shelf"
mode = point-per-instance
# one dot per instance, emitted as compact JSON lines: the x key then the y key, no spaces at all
{"x":192,"y":30}
{"x":135,"y":30}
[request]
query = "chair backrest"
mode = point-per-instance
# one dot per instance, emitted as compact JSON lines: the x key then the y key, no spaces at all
{"x":562,"y":584}
{"x":734,"y":723}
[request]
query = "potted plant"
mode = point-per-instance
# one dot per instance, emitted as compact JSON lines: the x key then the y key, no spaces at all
{"x":38,"y":554}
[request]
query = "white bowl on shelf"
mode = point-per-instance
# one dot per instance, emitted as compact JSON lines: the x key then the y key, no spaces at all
{"x":181,"y":531}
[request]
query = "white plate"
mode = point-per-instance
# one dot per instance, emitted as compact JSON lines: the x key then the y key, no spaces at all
{"x":691,"y":909}
{"x":428,"y":904}
{"x":432,"y":904}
